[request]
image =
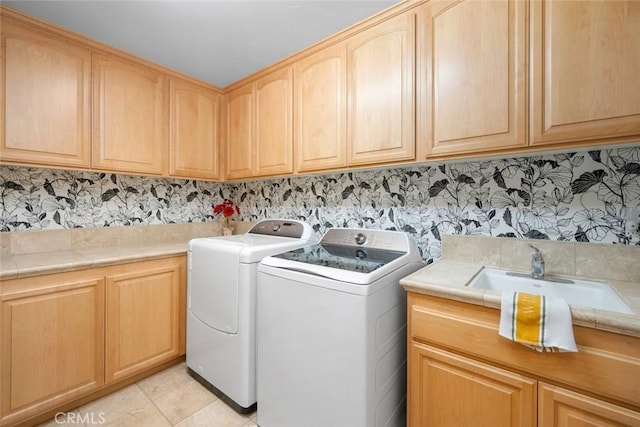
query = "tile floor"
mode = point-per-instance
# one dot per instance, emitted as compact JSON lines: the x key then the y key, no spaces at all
{"x":168,"y":398}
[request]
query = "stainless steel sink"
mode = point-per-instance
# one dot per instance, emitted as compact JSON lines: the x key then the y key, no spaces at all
{"x":585,"y":293}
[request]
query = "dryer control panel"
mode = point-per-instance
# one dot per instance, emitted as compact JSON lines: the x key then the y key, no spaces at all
{"x":281,"y":227}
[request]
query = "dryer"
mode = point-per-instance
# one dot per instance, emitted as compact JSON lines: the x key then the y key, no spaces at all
{"x":221,"y":306}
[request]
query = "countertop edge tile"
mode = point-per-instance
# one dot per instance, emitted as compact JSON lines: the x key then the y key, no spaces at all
{"x":61,"y":261}
{"x":8,"y":268}
{"x":458,"y":294}
{"x":122,"y":254}
{"x":621,"y":323}
{"x":47,"y":269}
{"x":492,"y":300}
{"x":584,"y":316}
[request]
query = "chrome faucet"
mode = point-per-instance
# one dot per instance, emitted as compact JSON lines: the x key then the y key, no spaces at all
{"x":537,"y":263}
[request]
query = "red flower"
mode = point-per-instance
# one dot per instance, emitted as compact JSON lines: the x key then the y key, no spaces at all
{"x":227,"y":208}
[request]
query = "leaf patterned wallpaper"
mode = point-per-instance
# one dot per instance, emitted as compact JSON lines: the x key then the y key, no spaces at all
{"x":579,"y":196}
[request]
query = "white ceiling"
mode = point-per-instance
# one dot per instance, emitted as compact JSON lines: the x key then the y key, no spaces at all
{"x":217,"y":41}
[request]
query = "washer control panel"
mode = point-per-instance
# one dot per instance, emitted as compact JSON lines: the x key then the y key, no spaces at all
{"x":373,"y":239}
{"x":360,"y":239}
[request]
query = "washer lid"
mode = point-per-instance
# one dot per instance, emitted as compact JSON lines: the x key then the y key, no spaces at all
{"x":348,"y":258}
{"x":365,"y":256}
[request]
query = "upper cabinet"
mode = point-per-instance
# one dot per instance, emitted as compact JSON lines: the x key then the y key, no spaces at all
{"x":240,"y":132}
{"x":380,"y":87}
{"x":45,"y":98}
{"x":129,"y":116}
{"x":193,"y":141}
{"x":472,"y":76}
{"x":259,"y":127}
{"x":320,"y":112}
{"x":586,"y":63}
{"x":424,"y":80}
{"x":273,"y":124}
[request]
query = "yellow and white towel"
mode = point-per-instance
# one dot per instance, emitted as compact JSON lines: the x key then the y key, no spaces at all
{"x":537,"y":321}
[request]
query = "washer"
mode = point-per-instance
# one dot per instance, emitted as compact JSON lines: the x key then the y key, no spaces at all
{"x":332,"y":331}
{"x":221,"y":306}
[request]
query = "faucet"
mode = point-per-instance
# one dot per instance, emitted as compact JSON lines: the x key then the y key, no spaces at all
{"x":537,"y":263}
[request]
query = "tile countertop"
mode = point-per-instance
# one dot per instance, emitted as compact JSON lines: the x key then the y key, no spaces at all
{"x":448,"y":278}
{"x":32,"y":264}
{"x":75,"y":249}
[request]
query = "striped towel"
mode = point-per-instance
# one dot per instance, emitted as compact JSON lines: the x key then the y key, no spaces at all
{"x":537,"y":321}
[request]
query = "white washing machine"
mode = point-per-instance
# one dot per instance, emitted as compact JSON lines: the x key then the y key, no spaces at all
{"x":332,"y":331}
{"x":221,"y":306}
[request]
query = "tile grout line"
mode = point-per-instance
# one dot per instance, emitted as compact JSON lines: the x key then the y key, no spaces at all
{"x":153,"y":403}
{"x":189,"y":382}
{"x":156,"y":406}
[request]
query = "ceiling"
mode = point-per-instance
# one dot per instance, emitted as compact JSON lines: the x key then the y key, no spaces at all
{"x":216,"y":41}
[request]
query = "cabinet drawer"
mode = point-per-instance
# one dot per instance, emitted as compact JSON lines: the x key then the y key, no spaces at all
{"x":606,"y":364}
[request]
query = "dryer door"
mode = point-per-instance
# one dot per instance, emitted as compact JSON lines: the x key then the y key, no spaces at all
{"x":213,"y":286}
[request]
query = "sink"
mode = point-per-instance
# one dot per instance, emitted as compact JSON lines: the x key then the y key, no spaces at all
{"x":585,"y":293}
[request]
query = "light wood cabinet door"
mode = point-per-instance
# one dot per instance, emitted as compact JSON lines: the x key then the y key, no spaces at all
{"x":239,"y":152}
{"x":144,"y":314}
{"x":380,"y":91}
{"x":52,"y":345}
{"x":194,"y":111}
{"x":558,"y":407}
{"x":446,"y":389}
{"x":586,"y":61}
{"x":472,"y":76}
{"x":273,"y":142}
{"x":45,"y":98}
{"x":320,"y":112}
{"x":130,"y":117}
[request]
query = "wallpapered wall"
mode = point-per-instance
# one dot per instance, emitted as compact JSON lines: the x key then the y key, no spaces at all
{"x":571,"y":196}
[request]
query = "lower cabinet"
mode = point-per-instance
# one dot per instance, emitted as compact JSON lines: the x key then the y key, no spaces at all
{"x":461,"y":373}
{"x":52,"y":345}
{"x":143,"y":319}
{"x":451,"y":390}
{"x":67,"y":335}
{"x":558,"y":407}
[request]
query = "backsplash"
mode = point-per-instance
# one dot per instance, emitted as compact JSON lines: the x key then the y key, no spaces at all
{"x":45,"y":199}
{"x":571,"y":196}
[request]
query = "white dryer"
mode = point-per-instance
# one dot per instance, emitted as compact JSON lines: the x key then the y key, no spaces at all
{"x":221,"y":306}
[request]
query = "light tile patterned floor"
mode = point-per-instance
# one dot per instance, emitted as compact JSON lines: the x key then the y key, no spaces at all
{"x":168,"y":398}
